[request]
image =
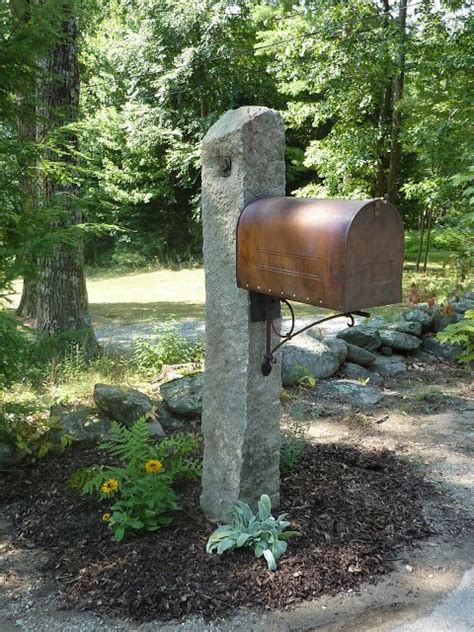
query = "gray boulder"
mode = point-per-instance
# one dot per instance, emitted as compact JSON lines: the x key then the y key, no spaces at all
{"x":156,"y":429}
{"x":441,"y":321}
{"x":83,"y":424}
{"x":168,"y":421}
{"x":444,"y":350}
{"x":398,"y":341}
{"x":386,"y":351}
{"x":389,"y":366}
{"x":358,"y":355}
{"x":183,"y":396}
{"x":125,"y":405}
{"x":357,"y":372}
{"x":352,"y":392}
{"x":419,"y":315}
{"x":337,"y":346}
{"x":364,"y":336}
{"x":407,"y":327}
{"x":424,"y":356}
{"x":378,"y":322}
{"x":315,"y":332}
{"x":307,"y":356}
{"x":463,"y":305}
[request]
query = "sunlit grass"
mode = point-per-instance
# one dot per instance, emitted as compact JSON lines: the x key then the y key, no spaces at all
{"x":157,"y":296}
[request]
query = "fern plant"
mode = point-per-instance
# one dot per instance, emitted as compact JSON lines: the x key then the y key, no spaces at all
{"x":461,"y":333}
{"x":262,"y":532}
{"x":139,"y":487}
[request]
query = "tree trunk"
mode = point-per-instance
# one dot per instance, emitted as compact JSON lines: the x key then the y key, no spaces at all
{"x":394,"y":166}
{"x":29,"y":299}
{"x":26,"y":133}
{"x":422,"y":236}
{"x":62,"y":294}
{"x":382,"y":127}
{"x":428,"y":236}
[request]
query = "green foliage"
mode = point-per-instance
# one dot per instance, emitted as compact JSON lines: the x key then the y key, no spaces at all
{"x":262,"y":532}
{"x":293,"y":444}
{"x":31,"y":431}
{"x":15,"y":352}
{"x":461,"y":333}
{"x":140,"y":486}
{"x":171,"y":348}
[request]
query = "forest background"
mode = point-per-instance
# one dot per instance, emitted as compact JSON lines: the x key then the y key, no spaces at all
{"x":104,"y":104}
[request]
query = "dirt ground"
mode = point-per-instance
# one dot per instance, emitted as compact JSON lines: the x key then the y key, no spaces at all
{"x":427,"y":416}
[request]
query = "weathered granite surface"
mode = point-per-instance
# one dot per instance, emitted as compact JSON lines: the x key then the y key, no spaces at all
{"x":241,"y":407}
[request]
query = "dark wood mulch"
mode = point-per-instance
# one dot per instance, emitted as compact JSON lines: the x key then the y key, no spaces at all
{"x":355,"y":508}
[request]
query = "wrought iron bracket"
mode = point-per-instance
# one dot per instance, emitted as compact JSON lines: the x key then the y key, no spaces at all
{"x":268,"y":305}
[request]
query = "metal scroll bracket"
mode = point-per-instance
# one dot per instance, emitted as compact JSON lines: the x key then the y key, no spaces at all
{"x":266,"y":308}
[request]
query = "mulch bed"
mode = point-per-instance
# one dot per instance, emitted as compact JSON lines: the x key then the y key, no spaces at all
{"x":356,"y":510}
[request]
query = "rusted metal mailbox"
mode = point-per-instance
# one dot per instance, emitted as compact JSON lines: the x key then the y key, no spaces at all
{"x":345,"y":255}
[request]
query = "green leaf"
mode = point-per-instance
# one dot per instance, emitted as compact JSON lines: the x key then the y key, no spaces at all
{"x":119,"y":533}
{"x":270,"y":559}
{"x":264,"y":507}
{"x":225,"y":545}
{"x":242,"y":539}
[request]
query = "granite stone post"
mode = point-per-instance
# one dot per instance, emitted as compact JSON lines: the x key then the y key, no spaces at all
{"x":242,"y":158}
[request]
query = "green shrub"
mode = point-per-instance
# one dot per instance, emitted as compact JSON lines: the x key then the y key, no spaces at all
{"x":171,"y":348}
{"x":15,"y":349}
{"x":461,"y":333}
{"x":293,"y":445}
{"x":140,"y":487}
{"x":262,"y":532}
{"x":30,"y":430}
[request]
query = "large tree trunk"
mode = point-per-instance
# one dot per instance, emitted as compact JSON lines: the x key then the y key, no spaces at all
{"x":394,"y":166}
{"x":62,"y":294}
{"x":26,"y":131}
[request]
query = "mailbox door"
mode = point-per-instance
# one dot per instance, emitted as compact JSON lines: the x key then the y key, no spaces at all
{"x":374,"y":257}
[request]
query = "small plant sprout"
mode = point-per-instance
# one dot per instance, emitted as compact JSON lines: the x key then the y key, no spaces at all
{"x":262,"y":532}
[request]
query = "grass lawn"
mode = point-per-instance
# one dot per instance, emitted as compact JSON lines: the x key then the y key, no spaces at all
{"x":147,"y":297}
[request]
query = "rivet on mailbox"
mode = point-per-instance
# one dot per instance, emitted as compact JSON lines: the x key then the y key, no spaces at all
{"x":345,"y":255}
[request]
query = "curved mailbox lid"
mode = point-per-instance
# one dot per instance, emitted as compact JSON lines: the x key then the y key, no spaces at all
{"x":340,"y":254}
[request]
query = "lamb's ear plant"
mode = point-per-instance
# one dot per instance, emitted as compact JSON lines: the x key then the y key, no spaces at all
{"x":262,"y":532}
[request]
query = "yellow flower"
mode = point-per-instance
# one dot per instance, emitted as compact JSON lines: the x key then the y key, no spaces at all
{"x":110,"y":486}
{"x":106,"y":517}
{"x":153,"y":466}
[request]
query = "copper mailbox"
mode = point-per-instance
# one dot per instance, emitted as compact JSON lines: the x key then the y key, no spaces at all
{"x":345,"y":255}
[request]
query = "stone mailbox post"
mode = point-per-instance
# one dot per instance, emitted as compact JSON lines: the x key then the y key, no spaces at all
{"x":242,"y":159}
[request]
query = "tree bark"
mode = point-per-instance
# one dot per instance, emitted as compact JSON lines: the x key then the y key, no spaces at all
{"x":422,"y":237}
{"x":26,"y":132}
{"x":428,"y":239}
{"x":29,"y":299}
{"x":394,"y":165}
{"x":62,"y":294}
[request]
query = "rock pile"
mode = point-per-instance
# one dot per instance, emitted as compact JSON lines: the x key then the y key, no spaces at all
{"x":363,"y":356}
{"x":369,"y":353}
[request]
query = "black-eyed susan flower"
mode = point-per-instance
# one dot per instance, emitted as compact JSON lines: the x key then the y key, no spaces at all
{"x":110,"y":486}
{"x":106,"y":517}
{"x":153,"y":466}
